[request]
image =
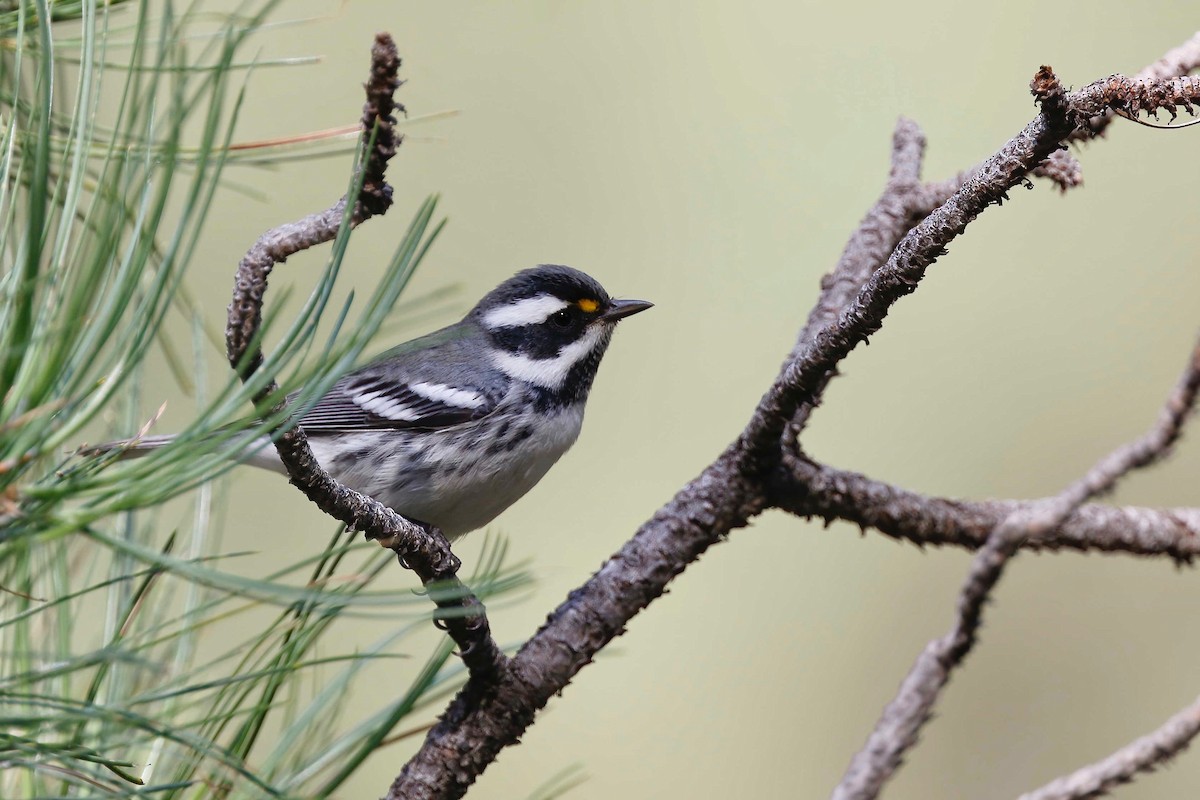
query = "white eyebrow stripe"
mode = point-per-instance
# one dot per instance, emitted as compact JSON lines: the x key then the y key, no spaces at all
{"x":530,"y":311}
{"x":549,"y":373}
{"x":447,"y":395}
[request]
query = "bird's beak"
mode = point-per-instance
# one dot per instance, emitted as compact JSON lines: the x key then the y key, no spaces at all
{"x":623,"y":308}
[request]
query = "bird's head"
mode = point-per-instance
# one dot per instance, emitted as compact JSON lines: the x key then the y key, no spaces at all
{"x":549,"y":326}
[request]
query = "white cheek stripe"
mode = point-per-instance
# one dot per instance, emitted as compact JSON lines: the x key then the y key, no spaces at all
{"x":384,"y":407}
{"x":549,"y":373}
{"x":530,"y":311}
{"x":448,"y":395}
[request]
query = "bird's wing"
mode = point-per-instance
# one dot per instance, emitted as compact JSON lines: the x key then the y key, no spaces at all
{"x":408,"y":387}
{"x":371,"y":402}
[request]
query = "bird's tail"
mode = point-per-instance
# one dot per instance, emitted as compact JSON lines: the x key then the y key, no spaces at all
{"x":259,"y":454}
{"x":127,"y":448}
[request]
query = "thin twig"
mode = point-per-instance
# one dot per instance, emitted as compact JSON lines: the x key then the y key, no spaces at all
{"x":1178,"y":61}
{"x":804,"y":376}
{"x":903,"y":203}
{"x":1144,"y":754}
{"x":822,"y":346}
{"x":809,"y":489}
{"x":1062,"y":169}
{"x":424,"y":551}
{"x":902,"y":720}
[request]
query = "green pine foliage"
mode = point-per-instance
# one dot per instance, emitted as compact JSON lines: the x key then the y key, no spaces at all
{"x":114,"y":136}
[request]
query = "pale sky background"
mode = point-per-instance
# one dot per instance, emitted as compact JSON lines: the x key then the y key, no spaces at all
{"x":713,"y":157}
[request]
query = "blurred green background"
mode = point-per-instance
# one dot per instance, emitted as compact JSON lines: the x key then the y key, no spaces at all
{"x":713,"y":157}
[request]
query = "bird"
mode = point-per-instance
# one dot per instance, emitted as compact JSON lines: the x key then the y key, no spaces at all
{"x":452,"y":428}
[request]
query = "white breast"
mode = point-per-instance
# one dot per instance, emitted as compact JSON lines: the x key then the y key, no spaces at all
{"x":461,"y":481}
{"x":485,"y":484}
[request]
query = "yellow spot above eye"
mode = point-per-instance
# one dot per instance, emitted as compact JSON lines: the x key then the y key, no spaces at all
{"x":588,"y":305}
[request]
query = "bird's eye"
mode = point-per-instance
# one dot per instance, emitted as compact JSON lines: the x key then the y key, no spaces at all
{"x":562,"y":319}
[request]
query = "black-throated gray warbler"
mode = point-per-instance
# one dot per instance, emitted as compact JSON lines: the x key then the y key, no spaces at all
{"x":454,"y":427}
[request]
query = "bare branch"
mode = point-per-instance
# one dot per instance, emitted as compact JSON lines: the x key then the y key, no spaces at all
{"x":1128,"y":96}
{"x":1141,"y":755}
{"x":904,"y":202}
{"x":425,"y":552}
{"x":1062,"y":169}
{"x":893,"y":214}
{"x":805,"y":375}
{"x":902,"y":720}
{"x":886,"y":221}
{"x":1063,"y":113}
{"x":1180,"y":61}
{"x":478,"y":724}
{"x":809,"y":489}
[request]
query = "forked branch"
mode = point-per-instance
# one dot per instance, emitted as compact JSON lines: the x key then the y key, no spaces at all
{"x":902,"y":720}
{"x":908,"y":229}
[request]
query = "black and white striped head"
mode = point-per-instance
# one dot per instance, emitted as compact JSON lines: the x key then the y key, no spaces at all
{"x":549,"y":326}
